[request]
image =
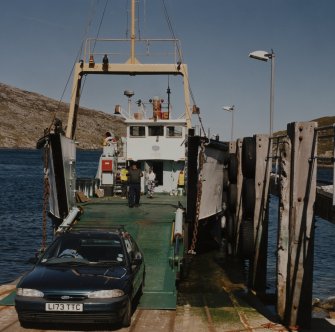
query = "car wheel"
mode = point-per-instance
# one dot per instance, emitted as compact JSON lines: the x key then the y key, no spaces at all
{"x":126,"y":320}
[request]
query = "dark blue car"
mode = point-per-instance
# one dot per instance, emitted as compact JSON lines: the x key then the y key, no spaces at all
{"x":83,"y":277}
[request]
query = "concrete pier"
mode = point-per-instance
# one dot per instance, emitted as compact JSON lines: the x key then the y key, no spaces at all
{"x":213,"y":299}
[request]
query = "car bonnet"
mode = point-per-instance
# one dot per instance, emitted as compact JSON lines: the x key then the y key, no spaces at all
{"x":75,"y":278}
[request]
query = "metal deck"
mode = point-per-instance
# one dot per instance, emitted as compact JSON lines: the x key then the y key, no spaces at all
{"x":151,"y":225}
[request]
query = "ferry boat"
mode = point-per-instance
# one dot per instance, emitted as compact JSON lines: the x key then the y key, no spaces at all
{"x":158,"y":136}
{"x":156,"y":141}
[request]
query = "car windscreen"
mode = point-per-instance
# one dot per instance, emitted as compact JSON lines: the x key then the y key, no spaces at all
{"x":91,"y":249}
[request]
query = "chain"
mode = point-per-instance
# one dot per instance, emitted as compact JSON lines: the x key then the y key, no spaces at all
{"x":199,"y":193}
{"x":45,"y":195}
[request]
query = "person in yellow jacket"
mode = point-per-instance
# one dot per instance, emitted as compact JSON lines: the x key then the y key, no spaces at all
{"x":124,"y":182}
{"x":181,"y":179}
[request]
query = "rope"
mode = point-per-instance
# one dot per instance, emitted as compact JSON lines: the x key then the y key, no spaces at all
{"x":48,"y":130}
{"x":95,"y":42}
{"x":127,"y":19}
{"x":88,"y":25}
{"x":181,"y":60}
{"x":100,"y":24}
{"x":138,"y":21}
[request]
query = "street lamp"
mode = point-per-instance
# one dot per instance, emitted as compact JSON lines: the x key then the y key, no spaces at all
{"x":265,"y":56}
{"x":230,"y":109}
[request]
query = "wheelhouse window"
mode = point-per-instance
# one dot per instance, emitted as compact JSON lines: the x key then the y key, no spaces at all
{"x":137,"y":131}
{"x":156,"y":130}
{"x":174,"y":131}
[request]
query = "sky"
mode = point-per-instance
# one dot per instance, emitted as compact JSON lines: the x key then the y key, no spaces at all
{"x":41,"y":39}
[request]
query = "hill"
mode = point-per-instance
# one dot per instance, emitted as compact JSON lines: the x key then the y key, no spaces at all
{"x":325,"y":143}
{"x":24,"y":115}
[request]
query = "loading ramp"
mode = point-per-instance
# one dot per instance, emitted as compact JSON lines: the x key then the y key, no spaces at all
{"x":151,"y":225}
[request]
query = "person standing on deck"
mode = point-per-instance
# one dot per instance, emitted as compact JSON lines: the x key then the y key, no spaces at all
{"x":110,"y":144}
{"x":181,"y":179}
{"x":124,"y":182}
{"x":151,"y":178}
{"x":134,"y":181}
{"x":108,"y":139}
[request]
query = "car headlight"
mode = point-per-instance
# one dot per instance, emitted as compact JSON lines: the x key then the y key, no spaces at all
{"x":103,"y":294}
{"x":29,"y":292}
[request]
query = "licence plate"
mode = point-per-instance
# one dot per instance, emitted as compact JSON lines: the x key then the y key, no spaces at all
{"x":63,"y":307}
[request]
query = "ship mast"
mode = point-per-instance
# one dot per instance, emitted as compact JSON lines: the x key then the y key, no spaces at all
{"x":132,"y":37}
{"x":131,"y":67}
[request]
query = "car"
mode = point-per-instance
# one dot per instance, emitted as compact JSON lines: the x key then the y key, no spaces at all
{"x":83,"y":277}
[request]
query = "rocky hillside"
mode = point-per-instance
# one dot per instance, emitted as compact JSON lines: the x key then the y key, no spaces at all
{"x":24,"y":115}
{"x":325,"y":142}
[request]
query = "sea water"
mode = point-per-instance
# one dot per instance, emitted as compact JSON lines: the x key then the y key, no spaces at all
{"x":324,"y":253}
{"x":21,"y":208}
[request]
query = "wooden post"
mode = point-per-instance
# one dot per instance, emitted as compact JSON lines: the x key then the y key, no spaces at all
{"x":262,"y":180}
{"x":232,"y":147}
{"x":299,"y":208}
{"x":283,"y":226}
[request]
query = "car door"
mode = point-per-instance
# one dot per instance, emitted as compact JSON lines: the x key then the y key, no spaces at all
{"x":137,"y":269}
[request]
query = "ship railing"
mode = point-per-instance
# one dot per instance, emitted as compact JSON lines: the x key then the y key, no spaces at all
{"x":117,"y":50}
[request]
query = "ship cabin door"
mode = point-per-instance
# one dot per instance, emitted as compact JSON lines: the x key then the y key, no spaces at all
{"x":157,"y":167}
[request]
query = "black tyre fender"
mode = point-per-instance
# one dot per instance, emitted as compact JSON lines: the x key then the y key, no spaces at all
{"x":225,"y":200}
{"x":248,"y":197}
{"x":126,"y":320}
{"x":232,"y":168}
{"x":225,"y":179}
{"x":225,"y":158}
{"x":230,"y":227}
{"x":249,"y":157}
{"x":247,"y":239}
{"x":232,"y":196}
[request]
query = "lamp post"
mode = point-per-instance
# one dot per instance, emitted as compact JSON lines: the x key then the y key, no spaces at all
{"x":265,"y":56}
{"x":230,"y":109}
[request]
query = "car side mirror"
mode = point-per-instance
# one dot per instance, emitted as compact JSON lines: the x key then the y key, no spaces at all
{"x":137,"y":261}
{"x":34,"y":260}
{"x":138,"y":258}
